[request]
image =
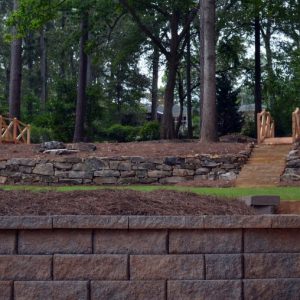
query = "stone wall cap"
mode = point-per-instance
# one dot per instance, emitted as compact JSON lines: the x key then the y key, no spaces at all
{"x":150,"y":222}
{"x":25,"y":222}
{"x":89,"y":221}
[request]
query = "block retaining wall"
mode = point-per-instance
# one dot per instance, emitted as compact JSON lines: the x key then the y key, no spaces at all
{"x":138,"y":257}
{"x":121,"y":170}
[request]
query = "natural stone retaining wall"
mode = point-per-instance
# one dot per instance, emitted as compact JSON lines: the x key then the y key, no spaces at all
{"x":121,"y":170}
{"x":292,"y":169}
{"x":138,"y":257}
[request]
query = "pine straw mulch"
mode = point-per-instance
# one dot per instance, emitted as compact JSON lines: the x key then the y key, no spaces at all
{"x":117,"y":202}
{"x":145,"y":149}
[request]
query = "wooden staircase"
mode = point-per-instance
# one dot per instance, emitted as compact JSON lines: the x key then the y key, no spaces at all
{"x":265,"y":165}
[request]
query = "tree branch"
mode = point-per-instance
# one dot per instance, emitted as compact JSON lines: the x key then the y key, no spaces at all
{"x":144,"y":28}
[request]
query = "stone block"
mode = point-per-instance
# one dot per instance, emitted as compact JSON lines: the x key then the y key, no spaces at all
{"x":166,"y":222}
{"x":3,"y":179}
{"x":7,"y":242}
{"x":61,"y":174}
{"x":166,"y":267}
{"x":25,"y":267}
{"x":80,"y":175}
{"x":107,"y":173}
{"x":275,"y":289}
{"x":286,"y":221}
{"x":90,"y":267}
{"x":205,"y":289}
{"x":158,"y":174}
{"x":55,"y":241}
{"x":70,"y":181}
{"x":202,"y":171}
{"x":237,"y":221}
{"x":223,"y":266}
{"x":62,"y":166}
{"x":44,"y":290}
{"x":90,"y":222}
{"x":272,"y":265}
{"x":126,"y":174}
{"x":6,"y":290}
{"x":133,"y":290}
{"x":129,"y":180}
{"x":205,"y":241}
{"x":20,"y":222}
{"x":175,"y":179}
{"x":183,"y":172}
{"x":124,"y":166}
{"x":44,"y":169}
{"x":272,"y":240}
{"x":105,"y":180}
{"x":130,"y":242}
{"x":261,"y":200}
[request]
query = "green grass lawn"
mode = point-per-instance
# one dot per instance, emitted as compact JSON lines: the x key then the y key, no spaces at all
{"x":286,"y":193}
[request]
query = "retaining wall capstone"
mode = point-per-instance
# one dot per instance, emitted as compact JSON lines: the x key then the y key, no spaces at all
{"x":144,"y":257}
{"x":121,"y":170}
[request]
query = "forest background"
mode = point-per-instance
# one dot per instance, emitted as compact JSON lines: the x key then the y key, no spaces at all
{"x":124,"y":47}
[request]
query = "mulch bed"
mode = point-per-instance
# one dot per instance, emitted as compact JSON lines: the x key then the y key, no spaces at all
{"x":144,"y":149}
{"x":116,"y":202}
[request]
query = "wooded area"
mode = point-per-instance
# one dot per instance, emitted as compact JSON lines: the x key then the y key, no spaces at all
{"x":99,"y":70}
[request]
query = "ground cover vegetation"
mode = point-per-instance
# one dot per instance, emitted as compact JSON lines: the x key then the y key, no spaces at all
{"x":82,"y":70}
{"x":286,"y":193}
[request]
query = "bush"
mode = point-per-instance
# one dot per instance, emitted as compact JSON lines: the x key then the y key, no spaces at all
{"x":122,"y":133}
{"x":41,"y":134}
{"x":149,"y":131}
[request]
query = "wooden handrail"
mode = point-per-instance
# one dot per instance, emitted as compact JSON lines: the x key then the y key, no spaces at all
{"x":265,"y":126}
{"x":296,"y":125}
{"x":14,"y":131}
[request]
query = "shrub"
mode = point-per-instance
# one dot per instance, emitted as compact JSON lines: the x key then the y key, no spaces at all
{"x":150,"y":131}
{"x":122,"y":133}
{"x":41,"y":134}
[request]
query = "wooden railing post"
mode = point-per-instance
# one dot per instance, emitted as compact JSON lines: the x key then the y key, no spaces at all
{"x":1,"y":121}
{"x":28,"y":134}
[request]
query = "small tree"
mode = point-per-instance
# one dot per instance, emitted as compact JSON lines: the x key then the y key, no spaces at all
{"x":230,"y":120}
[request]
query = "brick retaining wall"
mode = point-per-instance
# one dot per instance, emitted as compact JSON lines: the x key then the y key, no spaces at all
{"x":137,"y":257}
{"x":121,"y":170}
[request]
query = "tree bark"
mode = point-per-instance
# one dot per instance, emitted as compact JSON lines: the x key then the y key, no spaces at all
{"x":43,"y":69}
{"x":30,"y":59}
{"x":154,"y":89}
{"x":257,"y":92}
{"x":15,"y":74}
{"x":208,"y":128}
{"x":82,"y":82}
{"x":188,"y":86}
{"x":181,"y":102}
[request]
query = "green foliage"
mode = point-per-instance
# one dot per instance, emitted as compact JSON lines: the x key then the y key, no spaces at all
{"x":229,"y":118}
{"x":150,"y":131}
{"x":121,"y":133}
{"x":41,"y":134}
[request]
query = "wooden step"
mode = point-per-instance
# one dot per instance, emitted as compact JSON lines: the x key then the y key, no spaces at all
{"x":265,"y":166}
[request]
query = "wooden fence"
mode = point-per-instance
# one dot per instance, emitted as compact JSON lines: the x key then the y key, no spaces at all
{"x":296,"y":125}
{"x":14,"y":131}
{"x":265,"y":126}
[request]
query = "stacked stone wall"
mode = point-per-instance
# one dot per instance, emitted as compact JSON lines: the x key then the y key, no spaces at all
{"x":121,"y":170}
{"x":139,"y":257}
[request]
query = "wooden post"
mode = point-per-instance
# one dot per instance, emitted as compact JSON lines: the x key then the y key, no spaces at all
{"x":258,"y":128}
{"x":15,"y":121}
{"x":1,"y":120}
{"x":28,"y":134}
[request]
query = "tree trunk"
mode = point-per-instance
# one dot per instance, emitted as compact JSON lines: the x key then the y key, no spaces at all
{"x":82,"y":82}
{"x":15,"y":74}
{"x":208,"y":128}
{"x":167,"y":129}
{"x":257,"y":93}
{"x":154,"y":90}
{"x":43,"y":70}
{"x":181,"y":101}
{"x":31,"y":84}
{"x":188,"y":86}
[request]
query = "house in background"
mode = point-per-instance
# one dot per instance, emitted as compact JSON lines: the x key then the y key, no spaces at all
{"x":176,"y":112}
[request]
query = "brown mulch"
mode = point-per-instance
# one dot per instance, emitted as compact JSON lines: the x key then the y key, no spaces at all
{"x":145,"y":149}
{"x":117,"y":202}
{"x":289,"y":207}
